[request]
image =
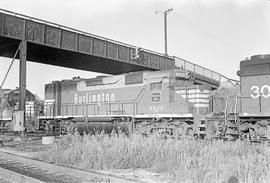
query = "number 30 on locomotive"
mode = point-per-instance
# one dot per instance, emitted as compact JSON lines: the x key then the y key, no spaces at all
{"x":263,"y":91}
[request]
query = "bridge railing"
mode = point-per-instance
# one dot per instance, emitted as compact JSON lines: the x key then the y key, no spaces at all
{"x":197,"y":69}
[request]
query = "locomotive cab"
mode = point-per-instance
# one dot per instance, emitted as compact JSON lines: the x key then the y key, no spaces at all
{"x":173,"y":92}
{"x":255,"y":86}
{"x":160,"y":97}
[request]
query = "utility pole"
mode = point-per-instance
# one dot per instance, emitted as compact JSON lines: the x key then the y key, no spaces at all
{"x":165,"y":29}
{"x":165,"y":13}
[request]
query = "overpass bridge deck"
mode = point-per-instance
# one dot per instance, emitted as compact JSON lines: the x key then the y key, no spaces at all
{"x":55,"y":44}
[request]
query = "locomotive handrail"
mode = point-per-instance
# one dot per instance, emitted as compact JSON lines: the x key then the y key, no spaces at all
{"x":108,"y":110}
{"x":96,"y":103}
{"x":138,"y":101}
{"x":238,"y":103}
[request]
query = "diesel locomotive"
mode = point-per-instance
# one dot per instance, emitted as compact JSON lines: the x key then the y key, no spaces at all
{"x":171,"y":102}
{"x":245,"y":115}
{"x":175,"y":102}
{"x":254,"y":109}
{"x":133,"y":101}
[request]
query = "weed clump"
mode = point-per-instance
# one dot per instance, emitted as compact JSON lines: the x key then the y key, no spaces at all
{"x":190,"y":160}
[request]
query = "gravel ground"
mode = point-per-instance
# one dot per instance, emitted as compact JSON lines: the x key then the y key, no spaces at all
{"x":31,"y":146}
{"x":28,"y":146}
{"x":3,"y":180}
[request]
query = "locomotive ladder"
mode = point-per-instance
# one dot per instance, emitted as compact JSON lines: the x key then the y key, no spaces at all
{"x":202,"y":129}
{"x":231,"y":120}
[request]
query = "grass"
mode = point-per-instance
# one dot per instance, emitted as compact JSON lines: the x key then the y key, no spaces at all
{"x":188,"y":160}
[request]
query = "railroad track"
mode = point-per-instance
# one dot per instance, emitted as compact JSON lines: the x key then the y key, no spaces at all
{"x":17,"y":168}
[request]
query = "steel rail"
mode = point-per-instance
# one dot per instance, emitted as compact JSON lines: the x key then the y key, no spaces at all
{"x":11,"y":176}
{"x":57,"y":173}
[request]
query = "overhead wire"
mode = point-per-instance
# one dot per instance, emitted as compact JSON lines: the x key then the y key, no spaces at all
{"x":13,"y":59}
{"x":232,"y":81}
{"x":202,"y":30}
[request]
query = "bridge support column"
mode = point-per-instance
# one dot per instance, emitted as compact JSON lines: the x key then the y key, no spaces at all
{"x":22,"y":77}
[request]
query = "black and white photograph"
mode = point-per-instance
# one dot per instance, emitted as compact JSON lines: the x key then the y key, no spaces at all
{"x":135,"y":91}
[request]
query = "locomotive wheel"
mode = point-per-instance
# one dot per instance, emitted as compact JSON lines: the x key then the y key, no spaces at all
{"x":189,"y":132}
{"x":166,"y":134}
{"x":244,"y":136}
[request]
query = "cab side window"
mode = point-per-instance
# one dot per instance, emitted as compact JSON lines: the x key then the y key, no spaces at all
{"x":256,"y":69}
{"x":156,"y":86}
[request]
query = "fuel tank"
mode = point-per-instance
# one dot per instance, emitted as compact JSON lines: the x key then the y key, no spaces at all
{"x":95,"y":127}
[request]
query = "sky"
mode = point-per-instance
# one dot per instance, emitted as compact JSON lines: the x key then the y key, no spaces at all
{"x":216,"y":34}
